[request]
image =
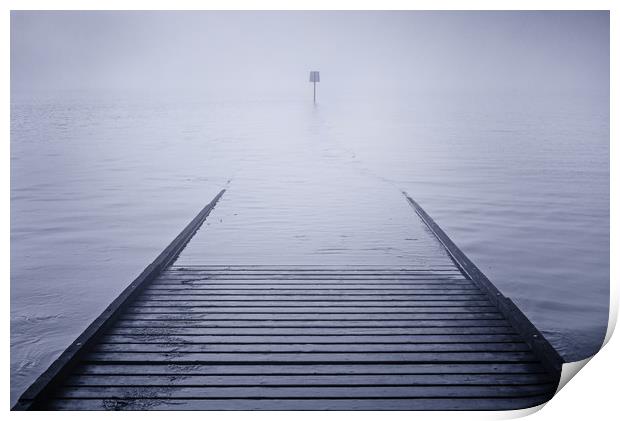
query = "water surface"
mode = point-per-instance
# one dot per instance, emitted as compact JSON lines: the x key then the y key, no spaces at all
{"x":100,"y":184}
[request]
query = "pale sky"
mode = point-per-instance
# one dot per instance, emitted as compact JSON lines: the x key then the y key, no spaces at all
{"x":274,"y":51}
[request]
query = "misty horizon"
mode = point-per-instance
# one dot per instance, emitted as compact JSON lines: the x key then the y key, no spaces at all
{"x":270,"y":53}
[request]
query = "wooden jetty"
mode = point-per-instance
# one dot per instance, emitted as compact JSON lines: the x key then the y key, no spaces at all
{"x":304,"y":338}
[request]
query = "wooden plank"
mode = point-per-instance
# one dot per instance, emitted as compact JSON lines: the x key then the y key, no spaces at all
{"x":310,"y":310}
{"x":311,"y":297}
{"x":296,"y":290}
{"x":407,"y":404}
{"x":353,"y":348}
{"x":421,"y":283}
{"x":532,"y":335}
{"x":59,"y":369}
{"x":321,"y":274}
{"x":312,"y":277}
{"x":158,"y":287}
{"x":351,"y":266}
{"x":309,"y":339}
{"x":351,"y":392}
{"x":303,"y":324}
{"x":435,"y":268}
{"x":309,"y":303}
{"x":309,"y":331}
{"x":310,"y":358}
{"x":300,"y":270}
{"x":311,"y":294}
{"x":266,"y":370}
{"x":305,"y":266}
{"x":310,"y":380}
{"x":314,"y":317}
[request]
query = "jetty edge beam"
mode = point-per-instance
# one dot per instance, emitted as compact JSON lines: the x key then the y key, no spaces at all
{"x":60,"y":368}
{"x":532,"y":336}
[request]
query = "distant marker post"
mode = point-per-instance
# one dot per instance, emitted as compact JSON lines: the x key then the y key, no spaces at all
{"x":314,"y":78}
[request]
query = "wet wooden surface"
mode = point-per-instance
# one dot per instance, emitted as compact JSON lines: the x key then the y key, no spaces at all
{"x":434,"y":336}
{"x":308,"y":338}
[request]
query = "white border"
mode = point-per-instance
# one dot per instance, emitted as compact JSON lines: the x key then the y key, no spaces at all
{"x":592,"y":394}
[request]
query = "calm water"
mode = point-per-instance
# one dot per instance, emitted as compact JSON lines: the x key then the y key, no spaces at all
{"x":101,"y":184}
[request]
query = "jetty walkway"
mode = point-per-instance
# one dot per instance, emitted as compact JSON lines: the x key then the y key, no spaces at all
{"x":301,"y":337}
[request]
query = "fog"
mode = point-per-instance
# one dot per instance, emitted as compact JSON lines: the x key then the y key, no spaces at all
{"x":361,"y":53}
{"x":459,"y":109}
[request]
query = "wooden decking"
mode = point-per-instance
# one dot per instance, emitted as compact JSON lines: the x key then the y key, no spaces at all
{"x":306,"y":338}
